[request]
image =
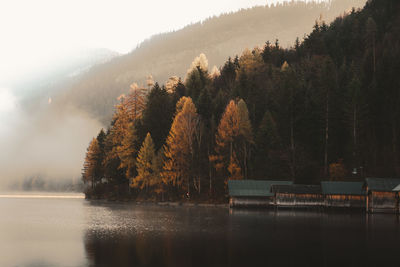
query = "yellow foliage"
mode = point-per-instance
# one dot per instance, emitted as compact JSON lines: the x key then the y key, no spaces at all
{"x":178,"y":150}
{"x":337,"y":170}
{"x":235,"y":172}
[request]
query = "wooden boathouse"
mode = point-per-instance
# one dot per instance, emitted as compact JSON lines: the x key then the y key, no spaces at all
{"x":343,"y":194}
{"x":252,"y":193}
{"x":382,"y":194}
{"x":397,"y":190}
{"x":297,"y":195}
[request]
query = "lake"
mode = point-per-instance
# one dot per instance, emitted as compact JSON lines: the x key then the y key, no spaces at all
{"x":71,"y":231}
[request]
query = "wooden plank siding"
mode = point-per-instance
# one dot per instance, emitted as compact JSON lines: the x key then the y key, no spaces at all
{"x":298,"y":200}
{"x":246,"y":202}
{"x":382,"y":195}
{"x":297,"y":195}
{"x":345,"y":201}
{"x":382,"y":202}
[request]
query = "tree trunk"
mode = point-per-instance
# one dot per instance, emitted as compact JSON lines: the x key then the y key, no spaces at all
{"x":373,"y":53}
{"x":326,"y":136}
{"x":209,"y":169}
{"x":245,"y":160}
{"x":355,"y":161}
{"x":394,"y":148}
{"x":292,"y":148}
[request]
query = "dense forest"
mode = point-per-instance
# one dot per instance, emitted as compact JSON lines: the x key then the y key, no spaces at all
{"x":168,"y":54}
{"x":328,"y":108}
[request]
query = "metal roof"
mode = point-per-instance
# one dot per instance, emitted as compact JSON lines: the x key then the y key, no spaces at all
{"x":397,"y":188}
{"x":297,"y":189}
{"x":382,"y":184}
{"x":342,"y":188}
{"x":253,"y":188}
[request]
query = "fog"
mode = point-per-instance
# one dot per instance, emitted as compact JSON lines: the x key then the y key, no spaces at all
{"x":49,"y":144}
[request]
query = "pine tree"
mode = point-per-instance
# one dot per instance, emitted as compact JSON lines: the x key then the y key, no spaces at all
{"x":157,"y":116}
{"x":269,"y":156}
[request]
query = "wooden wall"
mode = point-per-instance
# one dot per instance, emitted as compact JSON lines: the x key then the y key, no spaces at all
{"x":345,"y":201}
{"x":251,"y":202}
{"x":298,"y":200}
{"x":382,"y":202}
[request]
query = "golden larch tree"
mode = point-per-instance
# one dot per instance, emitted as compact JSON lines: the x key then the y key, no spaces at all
{"x":178,"y":150}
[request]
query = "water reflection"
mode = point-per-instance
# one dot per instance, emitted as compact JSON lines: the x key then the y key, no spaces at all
{"x":198,"y":236}
{"x":75,"y":232}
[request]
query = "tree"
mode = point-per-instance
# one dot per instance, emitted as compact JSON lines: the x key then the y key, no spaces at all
{"x":235,"y":172}
{"x":197,"y":77}
{"x":127,"y":151}
{"x":269,"y":153}
{"x":371,"y":36}
{"x":157,"y":116}
{"x":145,"y":163}
{"x":245,"y":135}
{"x":92,"y":165}
{"x":226,"y":138}
{"x":179,"y":150}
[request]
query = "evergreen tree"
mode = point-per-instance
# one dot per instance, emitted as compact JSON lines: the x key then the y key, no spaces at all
{"x":157,"y":116}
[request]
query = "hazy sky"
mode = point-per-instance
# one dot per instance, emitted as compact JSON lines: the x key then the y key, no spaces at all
{"x":35,"y":32}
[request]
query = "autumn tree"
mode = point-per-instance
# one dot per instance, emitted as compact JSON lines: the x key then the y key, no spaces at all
{"x":92,"y":165}
{"x":245,"y":135}
{"x":145,"y":163}
{"x":226,"y":138}
{"x":128,"y":112}
{"x":179,"y":150}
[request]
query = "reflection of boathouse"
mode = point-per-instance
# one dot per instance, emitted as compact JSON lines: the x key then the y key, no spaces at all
{"x":297,"y":195}
{"x":256,"y":193}
{"x":382,"y":194}
{"x":343,"y":194}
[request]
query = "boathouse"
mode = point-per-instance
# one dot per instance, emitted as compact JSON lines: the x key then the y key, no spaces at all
{"x":343,"y":194}
{"x":382,"y":194}
{"x":397,"y":190}
{"x":252,"y":193}
{"x":297,"y":195}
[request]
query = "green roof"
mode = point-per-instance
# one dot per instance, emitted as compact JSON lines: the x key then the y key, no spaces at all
{"x":253,"y":188}
{"x":342,"y":188}
{"x":297,"y":189}
{"x":382,"y":184}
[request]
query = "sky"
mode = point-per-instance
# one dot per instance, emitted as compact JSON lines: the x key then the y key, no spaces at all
{"x":34,"y":33}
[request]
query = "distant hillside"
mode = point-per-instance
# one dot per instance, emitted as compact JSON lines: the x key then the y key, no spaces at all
{"x":171,"y":53}
{"x":36,"y":87}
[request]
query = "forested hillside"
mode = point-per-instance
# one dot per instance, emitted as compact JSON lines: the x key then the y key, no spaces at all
{"x":328,"y":108}
{"x":168,"y":54}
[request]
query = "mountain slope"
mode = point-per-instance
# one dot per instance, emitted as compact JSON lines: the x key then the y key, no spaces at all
{"x":170,"y":54}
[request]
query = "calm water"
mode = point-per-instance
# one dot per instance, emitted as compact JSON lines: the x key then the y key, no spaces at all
{"x":75,"y":232}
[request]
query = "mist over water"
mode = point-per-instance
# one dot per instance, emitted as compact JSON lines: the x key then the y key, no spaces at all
{"x":47,"y":143}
